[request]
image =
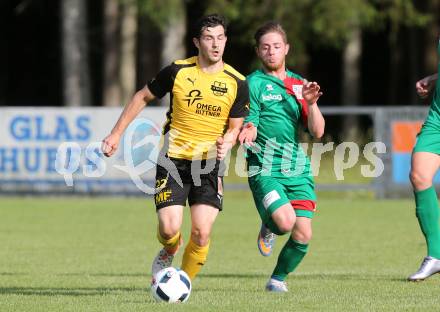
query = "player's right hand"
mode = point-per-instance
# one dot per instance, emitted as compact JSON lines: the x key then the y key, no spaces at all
{"x":224,"y":144}
{"x":110,"y":144}
{"x":311,"y":92}
{"x":248,"y":134}
{"x":424,"y":87}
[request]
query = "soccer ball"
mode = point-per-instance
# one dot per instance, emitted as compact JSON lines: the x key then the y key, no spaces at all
{"x":171,"y":285}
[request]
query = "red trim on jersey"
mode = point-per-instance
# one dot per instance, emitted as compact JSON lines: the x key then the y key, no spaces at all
{"x":303,"y":204}
{"x":289,"y":84}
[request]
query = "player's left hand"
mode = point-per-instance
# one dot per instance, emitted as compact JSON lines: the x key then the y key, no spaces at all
{"x":224,"y":144}
{"x":311,"y":92}
{"x":248,"y":134}
{"x":424,"y":87}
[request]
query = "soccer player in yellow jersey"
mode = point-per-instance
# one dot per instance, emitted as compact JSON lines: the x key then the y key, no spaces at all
{"x":208,"y":102}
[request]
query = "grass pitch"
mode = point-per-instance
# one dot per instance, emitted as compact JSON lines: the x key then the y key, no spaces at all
{"x":75,"y":254}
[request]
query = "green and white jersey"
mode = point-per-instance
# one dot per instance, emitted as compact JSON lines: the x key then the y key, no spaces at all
{"x":278,"y":110}
{"x":433,"y":119}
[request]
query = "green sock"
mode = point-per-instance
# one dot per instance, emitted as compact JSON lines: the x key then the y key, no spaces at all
{"x":290,"y":257}
{"x":427,"y":212}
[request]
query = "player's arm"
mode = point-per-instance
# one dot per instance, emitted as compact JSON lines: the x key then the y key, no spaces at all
{"x":315,"y":121}
{"x":228,"y":140}
{"x":239,"y":111}
{"x":131,"y":110}
{"x":426,"y":85}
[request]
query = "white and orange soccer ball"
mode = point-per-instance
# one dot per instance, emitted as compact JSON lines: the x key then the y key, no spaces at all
{"x":171,"y":285}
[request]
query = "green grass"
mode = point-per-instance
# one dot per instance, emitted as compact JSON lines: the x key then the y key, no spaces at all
{"x":87,"y":254}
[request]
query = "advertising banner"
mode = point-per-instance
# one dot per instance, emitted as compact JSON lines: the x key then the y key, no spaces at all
{"x":57,"y":150}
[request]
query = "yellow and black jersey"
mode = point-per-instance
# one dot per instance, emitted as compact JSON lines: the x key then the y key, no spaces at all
{"x":200,"y":105}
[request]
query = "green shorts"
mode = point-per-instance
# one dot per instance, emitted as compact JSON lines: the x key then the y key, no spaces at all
{"x":271,"y":193}
{"x":428,"y":140}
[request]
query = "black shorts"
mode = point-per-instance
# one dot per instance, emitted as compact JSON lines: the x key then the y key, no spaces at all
{"x":198,"y":188}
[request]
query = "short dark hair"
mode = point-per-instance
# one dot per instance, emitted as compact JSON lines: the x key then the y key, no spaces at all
{"x":269,"y":27}
{"x":206,"y":21}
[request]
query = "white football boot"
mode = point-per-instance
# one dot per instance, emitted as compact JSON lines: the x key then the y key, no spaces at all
{"x":430,"y":266}
{"x":274,"y":285}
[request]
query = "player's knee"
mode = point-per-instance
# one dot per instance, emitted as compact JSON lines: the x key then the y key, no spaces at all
{"x":286,"y":223}
{"x":284,"y":218}
{"x":414,"y":177}
{"x":200,"y":236}
{"x":419,"y":180}
{"x":169,"y":229}
{"x":285,"y":227}
{"x":168,"y":233}
{"x":303,"y":236}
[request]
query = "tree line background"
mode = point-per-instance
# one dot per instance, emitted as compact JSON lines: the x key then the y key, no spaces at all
{"x":98,"y":52}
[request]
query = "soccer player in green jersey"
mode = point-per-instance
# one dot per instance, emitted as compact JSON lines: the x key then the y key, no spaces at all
{"x":281,"y":102}
{"x":425,"y":163}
